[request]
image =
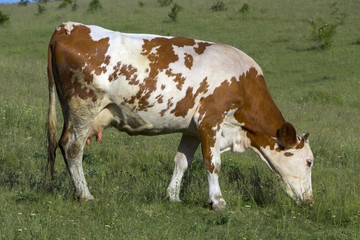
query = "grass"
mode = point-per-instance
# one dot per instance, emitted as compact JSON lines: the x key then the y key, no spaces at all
{"x":316,"y":91}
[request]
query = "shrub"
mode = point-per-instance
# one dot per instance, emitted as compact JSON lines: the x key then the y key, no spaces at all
{"x":244,"y":8}
{"x":219,"y":6}
{"x":3,"y":18}
{"x":94,"y":5}
{"x":75,"y":6}
{"x":174,"y":11}
{"x":23,"y":2}
{"x":65,"y":3}
{"x":164,"y":2}
{"x":41,"y":9}
{"x":324,"y":31}
{"x":141,"y":4}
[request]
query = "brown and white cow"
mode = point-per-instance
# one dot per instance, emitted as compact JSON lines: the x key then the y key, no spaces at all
{"x":213,"y":94}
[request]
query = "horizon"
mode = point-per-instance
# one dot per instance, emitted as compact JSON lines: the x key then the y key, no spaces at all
{"x":9,"y":1}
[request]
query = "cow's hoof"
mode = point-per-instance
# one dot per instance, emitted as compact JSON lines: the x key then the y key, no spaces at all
{"x":172,"y":198}
{"x":87,"y":200}
{"x":172,"y":195}
{"x":176,"y":200}
{"x":220,"y":205}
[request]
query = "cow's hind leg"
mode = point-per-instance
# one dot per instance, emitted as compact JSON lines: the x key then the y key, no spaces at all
{"x":72,"y":143}
{"x":183,"y":159}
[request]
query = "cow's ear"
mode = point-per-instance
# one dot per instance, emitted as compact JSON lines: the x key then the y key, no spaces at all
{"x":305,"y":137}
{"x":286,"y":136}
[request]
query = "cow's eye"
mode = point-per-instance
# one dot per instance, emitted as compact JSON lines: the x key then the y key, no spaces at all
{"x":308,"y":163}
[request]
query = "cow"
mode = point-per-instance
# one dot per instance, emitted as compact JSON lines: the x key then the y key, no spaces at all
{"x":142,"y":84}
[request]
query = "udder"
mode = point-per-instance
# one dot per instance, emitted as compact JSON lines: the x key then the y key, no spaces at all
{"x":102,"y":121}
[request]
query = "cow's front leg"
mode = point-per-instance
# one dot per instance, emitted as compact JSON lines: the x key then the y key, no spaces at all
{"x":211,"y":153}
{"x":183,"y":159}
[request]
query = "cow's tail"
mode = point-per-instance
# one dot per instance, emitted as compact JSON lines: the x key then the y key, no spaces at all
{"x":51,"y":119}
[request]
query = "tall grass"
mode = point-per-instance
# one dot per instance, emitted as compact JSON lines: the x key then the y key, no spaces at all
{"x":316,"y":91}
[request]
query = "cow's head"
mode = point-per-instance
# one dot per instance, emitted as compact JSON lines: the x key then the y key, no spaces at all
{"x":292,"y":159}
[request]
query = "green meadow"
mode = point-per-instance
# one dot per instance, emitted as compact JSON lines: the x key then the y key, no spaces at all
{"x":316,"y":90}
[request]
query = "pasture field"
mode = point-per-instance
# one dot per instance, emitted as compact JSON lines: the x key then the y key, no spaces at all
{"x":317,"y":91}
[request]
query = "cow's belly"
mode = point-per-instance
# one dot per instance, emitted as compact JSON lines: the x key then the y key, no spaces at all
{"x":141,"y":122}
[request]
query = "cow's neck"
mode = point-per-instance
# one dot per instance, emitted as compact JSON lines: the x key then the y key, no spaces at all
{"x":259,"y":114}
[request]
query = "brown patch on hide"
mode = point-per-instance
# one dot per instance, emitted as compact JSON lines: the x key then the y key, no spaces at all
{"x":212,"y":111}
{"x":255,"y":109}
{"x":288,"y":154}
{"x":164,"y":52}
{"x":76,"y":57}
{"x":128,"y":71}
{"x":159,"y":98}
{"x":201,"y":46}
{"x":178,"y":78}
{"x":169,"y":105}
{"x":160,"y":52}
{"x":258,"y":110}
{"x":188,"y":60}
{"x":207,"y":158}
{"x":184,"y":105}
